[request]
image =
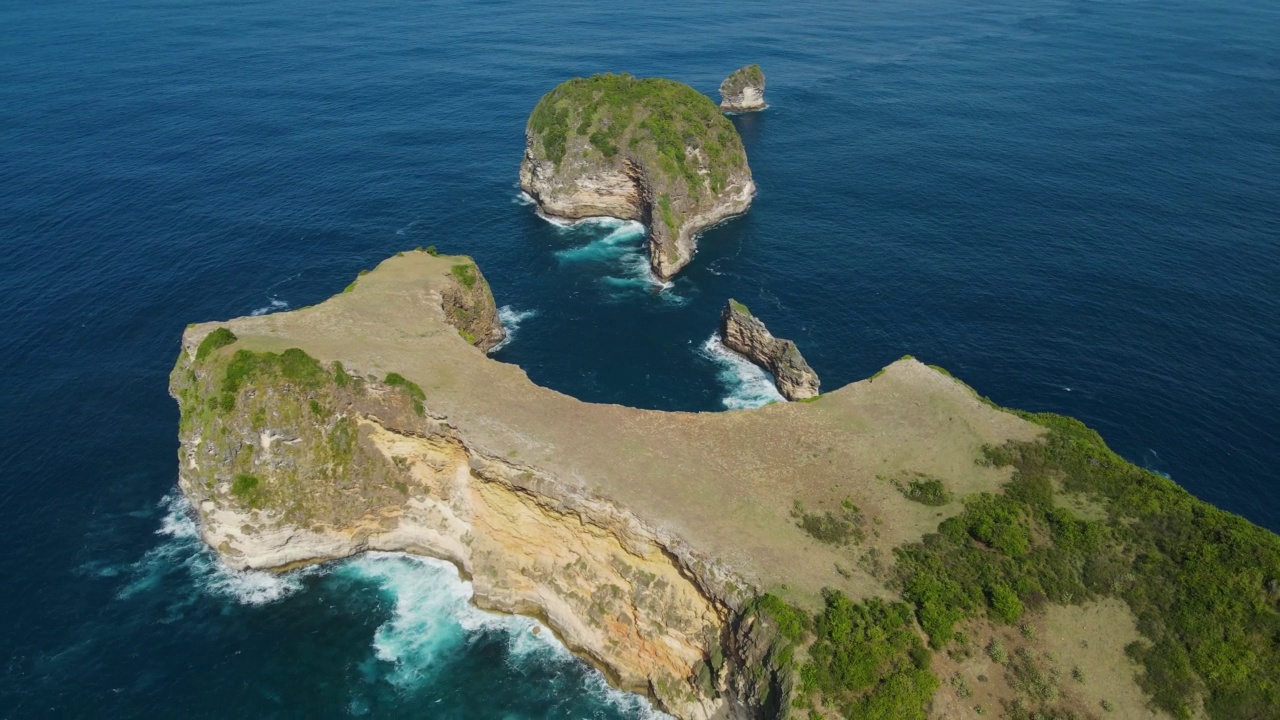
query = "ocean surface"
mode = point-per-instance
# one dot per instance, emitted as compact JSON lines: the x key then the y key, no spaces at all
{"x":1073,"y":205}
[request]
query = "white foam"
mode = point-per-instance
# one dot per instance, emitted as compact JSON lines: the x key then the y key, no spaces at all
{"x":182,"y":551}
{"x":746,"y":385}
{"x":433,"y":620}
{"x":523,"y":198}
{"x":276,"y":306}
{"x":511,"y":320}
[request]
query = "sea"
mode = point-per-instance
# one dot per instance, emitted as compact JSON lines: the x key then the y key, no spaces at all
{"x":1072,"y":205}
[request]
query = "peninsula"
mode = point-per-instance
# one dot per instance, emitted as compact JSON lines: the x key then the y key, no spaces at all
{"x":898,"y":548}
{"x":651,"y":150}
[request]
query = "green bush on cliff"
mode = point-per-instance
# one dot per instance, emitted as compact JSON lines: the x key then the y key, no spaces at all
{"x":926,"y":491}
{"x":867,"y":660}
{"x":415,"y":392}
{"x":219,"y":338}
{"x":292,"y":365}
{"x":652,"y":118}
{"x":1204,"y":584}
{"x":246,"y":488}
{"x":465,"y":274}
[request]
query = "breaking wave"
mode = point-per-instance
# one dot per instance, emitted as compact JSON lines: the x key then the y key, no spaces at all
{"x":181,"y":558}
{"x":511,"y":320}
{"x":276,"y":305}
{"x":745,"y":384}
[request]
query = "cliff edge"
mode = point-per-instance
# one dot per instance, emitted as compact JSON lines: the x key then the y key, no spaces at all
{"x":900,"y":547}
{"x":746,"y":335}
{"x":651,"y":150}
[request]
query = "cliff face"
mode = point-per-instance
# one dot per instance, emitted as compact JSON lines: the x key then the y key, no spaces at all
{"x":743,"y":90}
{"x":643,"y":539}
{"x":290,"y":462}
{"x":744,"y":334}
{"x":650,"y":150}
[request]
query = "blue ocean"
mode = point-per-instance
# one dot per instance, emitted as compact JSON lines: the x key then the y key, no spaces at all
{"x":1073,"y":205}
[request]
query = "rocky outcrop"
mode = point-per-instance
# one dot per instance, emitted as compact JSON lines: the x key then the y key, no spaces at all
{"x":744,"y":334}
{"x":743,"y":90}
{"x":468,"y":305}
{"x":651,"y":150}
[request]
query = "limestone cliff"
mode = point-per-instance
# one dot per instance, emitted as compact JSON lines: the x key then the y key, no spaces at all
{"x":743,"y":90}
{"x":651,"y":150}
{"x":642,"y":539}
{"x":744,"y":334}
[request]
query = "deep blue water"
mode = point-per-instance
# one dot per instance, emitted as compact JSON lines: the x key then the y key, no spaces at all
{"x":1071,"y":204}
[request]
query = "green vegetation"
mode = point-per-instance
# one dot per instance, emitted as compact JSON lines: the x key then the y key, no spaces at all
{"x":340,"y":376}
{"x":465,"y":273}
{"x":867,"y":660}
{"x":415,"y":392}
{"x":246,"y":488}
{"x":831,"y":528}
{"x":926,"y":491}
{"x":739,"y":307}
{"x":293,"y":365}
{"x":742,"y":77}
{"x":664,"y":208}
{"x":792,"y":622}
{"x":650,"y":119}
{"x":1204,"y":584}
{"x":219,"y":338}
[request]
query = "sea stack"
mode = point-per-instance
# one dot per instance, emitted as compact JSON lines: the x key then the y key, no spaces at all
{"x":743,"y":333}
{"x":651,"y":150}
{"x":743,"y":90}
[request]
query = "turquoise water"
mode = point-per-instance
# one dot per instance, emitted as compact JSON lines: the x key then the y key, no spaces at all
{"x":1069,"y":204}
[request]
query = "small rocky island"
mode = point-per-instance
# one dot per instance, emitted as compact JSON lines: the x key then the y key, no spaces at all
{"x":743,"y":90}
{"x":651,"y":150}
{"x":745,"y":334}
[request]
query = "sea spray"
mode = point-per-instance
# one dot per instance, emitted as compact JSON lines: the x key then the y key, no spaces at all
{"x":434,"y":635}
{"x":746,"y":385}
{"x":181,"y":558}
{"x":511,"y":320}
{"x":276,"y":305}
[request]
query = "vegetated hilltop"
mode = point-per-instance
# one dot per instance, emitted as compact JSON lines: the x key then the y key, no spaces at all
{"x":651,"y":149}
{"x":897,"y":548}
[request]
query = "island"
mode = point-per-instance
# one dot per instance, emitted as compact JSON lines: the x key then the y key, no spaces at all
{"x":900,"y":547}
{"x":743,"y":90}
{"x":651,"y":150}
{"x":745,"y":334}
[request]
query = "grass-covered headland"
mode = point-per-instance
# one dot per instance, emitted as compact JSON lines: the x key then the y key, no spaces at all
{"x":652,"y":120}
{"x":1204,"y":585}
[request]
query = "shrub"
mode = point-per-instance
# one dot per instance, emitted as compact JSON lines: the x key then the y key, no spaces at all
{"x":831,"y":528}
{"x":415,"y":392}
{"x":465,"y":273}
{"x":246,"y":488}
{"x":926,"y":491}
{"x":219,"y":338}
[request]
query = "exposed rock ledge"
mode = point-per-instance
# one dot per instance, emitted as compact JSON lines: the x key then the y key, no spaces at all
{"x":744,"y":334}
{"x":743,"y":90}
{"x":366,"y":422}
{"x":651,"y":150}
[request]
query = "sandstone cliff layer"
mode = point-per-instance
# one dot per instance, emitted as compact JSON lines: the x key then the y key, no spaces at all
{"x":642,"y":539}
{"x":651,"y":150}
{"x":743,"y":90}
{"x":746,"y":335}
